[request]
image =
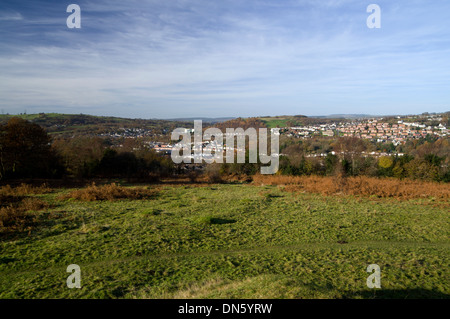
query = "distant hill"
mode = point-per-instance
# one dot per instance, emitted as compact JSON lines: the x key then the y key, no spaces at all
{"x":82,"y":124}
{"x":347,"y":116}
{"x":297,"y":120}
{"x":69,"y":124}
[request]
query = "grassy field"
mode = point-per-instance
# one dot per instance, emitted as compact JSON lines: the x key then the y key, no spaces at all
{"x":272,"y":122}
{"x":230,"y":241}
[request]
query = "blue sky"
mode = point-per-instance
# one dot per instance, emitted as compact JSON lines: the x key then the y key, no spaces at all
{"x":173,"y":58}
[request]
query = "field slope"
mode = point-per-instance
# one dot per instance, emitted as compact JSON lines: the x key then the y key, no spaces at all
{"x":230,"y":241}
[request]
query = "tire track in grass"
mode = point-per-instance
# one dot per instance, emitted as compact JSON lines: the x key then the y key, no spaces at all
{"x":304,"y":246}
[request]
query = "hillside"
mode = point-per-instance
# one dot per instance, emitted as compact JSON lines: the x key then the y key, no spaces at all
{"x":82,"y":124}
{"x":225,"y":241}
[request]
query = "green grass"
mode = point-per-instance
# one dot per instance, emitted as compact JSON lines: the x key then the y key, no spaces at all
{"x":272,"y":122}
{"x":231,"y":241}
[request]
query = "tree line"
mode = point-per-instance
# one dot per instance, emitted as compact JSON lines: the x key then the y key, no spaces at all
{"x":425,"y":159}
{"x":27,"y":151}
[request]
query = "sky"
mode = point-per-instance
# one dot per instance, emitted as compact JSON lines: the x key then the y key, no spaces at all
{"x":224,"y":58}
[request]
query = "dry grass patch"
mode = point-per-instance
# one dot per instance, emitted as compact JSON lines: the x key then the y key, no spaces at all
{"x":17,"y":207}
{"x":358,"y":186}
{"x":11,"y":217}
{"x":24,"y":190}
{"x":109,"y":192}
{"x":20,"y":216}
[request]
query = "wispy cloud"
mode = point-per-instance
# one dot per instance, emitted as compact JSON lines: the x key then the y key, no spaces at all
{"x":10,"y":16}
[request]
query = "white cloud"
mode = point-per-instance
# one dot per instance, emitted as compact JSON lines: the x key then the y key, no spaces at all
{"x":10,"y":16}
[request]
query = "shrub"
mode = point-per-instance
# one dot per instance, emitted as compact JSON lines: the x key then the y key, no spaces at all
{"x":11,"y":217}
{"x":192,"y":175}
{"x":18,"y":216}
{"x":213,"y":173}
{"x":385,"y":162}
{"x":33,"y":204}
{"x":6,"y":200}
{"x":14,"y":205}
